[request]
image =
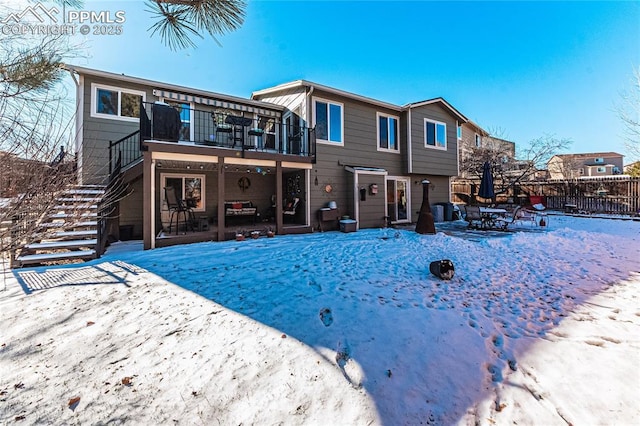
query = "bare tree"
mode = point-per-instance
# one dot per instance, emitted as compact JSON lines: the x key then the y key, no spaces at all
{"x":629,"y":112}
{"x":508,"y":170}
{"x":36,"y":131}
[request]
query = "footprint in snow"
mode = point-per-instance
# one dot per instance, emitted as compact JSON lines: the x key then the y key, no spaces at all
{"x":326,"y":317}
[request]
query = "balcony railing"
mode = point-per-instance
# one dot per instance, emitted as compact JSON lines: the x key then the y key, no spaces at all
{"x":225,"y":129}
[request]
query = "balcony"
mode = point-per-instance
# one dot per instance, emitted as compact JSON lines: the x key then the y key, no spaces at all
{"x":227,"y":129}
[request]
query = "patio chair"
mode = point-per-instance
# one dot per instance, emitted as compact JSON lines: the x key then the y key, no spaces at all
{"x":473,"y":217}
{"x":504,"y":222}
{"x":177,"y":206}
{"x":290,"y":208}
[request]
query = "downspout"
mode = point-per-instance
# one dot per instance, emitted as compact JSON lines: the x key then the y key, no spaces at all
{"x":409,"y":143}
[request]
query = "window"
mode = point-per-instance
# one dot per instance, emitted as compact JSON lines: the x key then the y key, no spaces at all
{"x":328,"y":122}
{"x":459,"y":132}
{"x":601,"y":169}
{"x":388,"y":133}
{"x":115,"y":103}
{"x":435,"y":134}
{"x":188,"y":187}
{"x":478,"y":141}
{"x":185,"y":118}
{"x":598,"y":160}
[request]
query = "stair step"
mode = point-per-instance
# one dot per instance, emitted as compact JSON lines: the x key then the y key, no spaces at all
{"x":50,"y":245}
{"x":50,"y":257}
{"x":61,"y":224}
{"x":77,"y":207}
{"x":75,"y":200}
{"x":80,"y":191}
{"x":66,"y":215}
{"x":63,"y":234}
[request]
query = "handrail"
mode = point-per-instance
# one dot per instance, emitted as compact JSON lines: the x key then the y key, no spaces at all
{"x":129,"y":149}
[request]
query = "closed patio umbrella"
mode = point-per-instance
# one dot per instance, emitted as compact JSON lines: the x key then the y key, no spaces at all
{"x":486,"y":184}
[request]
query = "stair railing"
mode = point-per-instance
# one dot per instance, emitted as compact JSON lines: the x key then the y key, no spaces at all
{"x":126,"y":149}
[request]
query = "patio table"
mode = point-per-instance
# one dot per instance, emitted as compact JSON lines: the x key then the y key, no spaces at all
{"x":489,"y":215}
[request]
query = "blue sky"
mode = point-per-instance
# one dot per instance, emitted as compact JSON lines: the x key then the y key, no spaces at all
{"x":523,"y":69}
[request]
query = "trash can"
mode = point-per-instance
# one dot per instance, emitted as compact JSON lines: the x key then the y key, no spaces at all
{"x":438,"y":213}
{"x":442,"y":269}
{"x":447,"y":211}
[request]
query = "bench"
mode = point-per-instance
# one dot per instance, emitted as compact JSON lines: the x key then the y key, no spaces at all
{"x":236,"y":209}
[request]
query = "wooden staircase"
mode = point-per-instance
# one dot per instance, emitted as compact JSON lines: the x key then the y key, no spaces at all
{"x":67,"y":232}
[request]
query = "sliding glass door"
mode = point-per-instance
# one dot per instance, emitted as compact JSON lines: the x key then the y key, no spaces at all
{"x":398,"y":199}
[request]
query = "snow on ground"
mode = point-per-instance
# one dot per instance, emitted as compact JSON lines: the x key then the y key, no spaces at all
{"x":540,"y":326}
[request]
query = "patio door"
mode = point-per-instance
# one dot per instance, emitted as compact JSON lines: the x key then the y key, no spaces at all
{"x":398,"y":199}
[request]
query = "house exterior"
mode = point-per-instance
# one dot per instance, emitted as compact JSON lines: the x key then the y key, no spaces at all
{"x":574,"y":166}
{"x":372,"y":155}
{"x":298,"y":144}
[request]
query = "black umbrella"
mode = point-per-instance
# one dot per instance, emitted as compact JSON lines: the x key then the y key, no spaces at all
{"x":486,"y":184}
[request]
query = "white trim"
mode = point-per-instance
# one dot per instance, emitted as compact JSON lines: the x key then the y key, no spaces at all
{"x":307,"y":200}
{"x":292,"y":165}
{"x":167,"y":86}
{"x":397,"y":135}
{"x":249,"y":162}
{"x":424,"y":129}
{"x":313,"y":116}
{"x":120,"y":90}
{"x":159,"y":155}
{"x":184,"y":176}
{"x":356,"y":198}
{"x":79,"y":124}
{"x":407,"y":181}
{"x":305,"y":83}
{"x":153,"y":203}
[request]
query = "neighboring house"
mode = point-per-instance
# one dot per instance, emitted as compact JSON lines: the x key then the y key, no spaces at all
{"x":299,"y":140}
{"x":470,"y":136}
{"x":574,"y":166}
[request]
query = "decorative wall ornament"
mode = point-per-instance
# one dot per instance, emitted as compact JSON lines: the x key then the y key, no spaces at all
{"x":244,"y":183}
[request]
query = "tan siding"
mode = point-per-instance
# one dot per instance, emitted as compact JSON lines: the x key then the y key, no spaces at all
{"x":372,"y":209}
{"x":131,"y":208}
{"x":438,"y":192}
{"x":97,"y":132}
{"x":430,"y":160}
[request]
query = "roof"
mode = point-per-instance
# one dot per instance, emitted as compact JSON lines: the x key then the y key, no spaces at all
{"x":590,"y":155}
{"x":350,"y":95}
{"x":439,"y":100}
{"x":310,"y":84}
{"x":168,"y":86}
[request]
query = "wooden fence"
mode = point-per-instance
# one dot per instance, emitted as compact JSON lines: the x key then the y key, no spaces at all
{"x":611,"y":194}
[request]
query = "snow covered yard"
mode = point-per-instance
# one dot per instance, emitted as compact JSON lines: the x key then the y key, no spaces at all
{"x":535,"y":327}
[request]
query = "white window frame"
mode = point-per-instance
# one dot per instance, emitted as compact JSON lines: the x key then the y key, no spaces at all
{"x":478,"y":141}
{"x":183,"y":176}
{"x":328,"y":102}
{"x":598,"y":160}
{"x":388,"y":117}
{"x":120,"y":90}
{"x":407,"y":181}
{"x":601,"y":169}
{"x":436,"y":122}
{"x":191,"y":114}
